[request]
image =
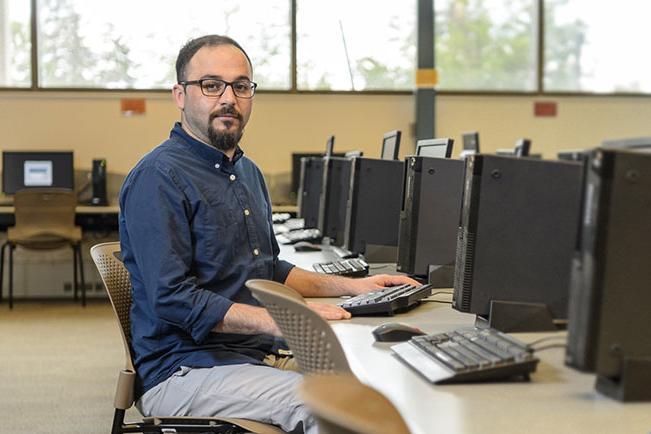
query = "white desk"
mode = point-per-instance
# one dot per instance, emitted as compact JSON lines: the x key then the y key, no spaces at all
{"x":558,"y":399}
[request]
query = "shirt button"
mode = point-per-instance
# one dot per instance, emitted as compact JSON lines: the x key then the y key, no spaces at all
{"x":217,"y":166}
{"x":247,"y":212}
{"x":256,"y":252}
{"x":232,"y":177}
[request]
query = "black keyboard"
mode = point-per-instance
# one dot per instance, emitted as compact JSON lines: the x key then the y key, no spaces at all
{"x":347,"y":267}
{"x":467,"y":355}
{"x":387,"y":301}
{"x":310,"y":235}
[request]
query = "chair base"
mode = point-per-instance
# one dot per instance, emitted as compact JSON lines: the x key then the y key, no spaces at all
{"x":78,"y":266}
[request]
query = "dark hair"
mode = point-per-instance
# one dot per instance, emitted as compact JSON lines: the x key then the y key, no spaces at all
{"x":192,"y":46}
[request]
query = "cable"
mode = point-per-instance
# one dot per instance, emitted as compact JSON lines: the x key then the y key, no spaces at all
{"x":437,"y":301}
{"x":548,"y":338}
{"x":377,"y":267}
{"x":441,"y":292}
{"x":546,"y":347}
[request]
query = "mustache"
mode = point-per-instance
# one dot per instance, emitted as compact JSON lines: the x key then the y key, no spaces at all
{"x":227,"y":110}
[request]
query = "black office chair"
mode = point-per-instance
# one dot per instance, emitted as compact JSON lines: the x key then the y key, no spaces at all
{"x":45,"y":220}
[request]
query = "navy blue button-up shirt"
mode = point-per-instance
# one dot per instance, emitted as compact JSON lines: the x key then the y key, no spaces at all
{"x":194,"y":227}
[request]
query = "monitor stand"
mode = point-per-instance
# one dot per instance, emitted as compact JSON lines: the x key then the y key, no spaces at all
{"x":634,"y":384}
{"x":441,"y":276}
{"x":379,"y":253}
{"x":514,"y":316}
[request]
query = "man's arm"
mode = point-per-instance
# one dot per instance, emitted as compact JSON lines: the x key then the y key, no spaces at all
{"x":311,"y":284}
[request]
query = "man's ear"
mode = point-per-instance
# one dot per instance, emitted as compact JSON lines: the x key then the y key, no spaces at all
{"x":178,"y":93}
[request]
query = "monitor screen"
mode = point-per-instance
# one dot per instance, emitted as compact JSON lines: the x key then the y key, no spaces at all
{"x":439,"y":148}
{"x":21,"y":169}
{"x":391,"y":145}
{"x":471,"y":142}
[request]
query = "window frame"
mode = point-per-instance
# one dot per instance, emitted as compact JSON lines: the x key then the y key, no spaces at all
{"x":538,"y":92}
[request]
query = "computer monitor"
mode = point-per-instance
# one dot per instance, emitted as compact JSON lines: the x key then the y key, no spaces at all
{"x":373,"y":208}
{"x":330,"y":146}
{"x":37,"y":169}
{"x":296,"y":170}
{"x":310,"y":190}
{"x":609,"y":332}
{"x":516,"y":241}
{"x":333,"y":198}
{"x":438,"y":148}
{"x":429,"y":218}
{"x":471,"y":142}
{"x":522,"y":148}
{"x":391,"y":145}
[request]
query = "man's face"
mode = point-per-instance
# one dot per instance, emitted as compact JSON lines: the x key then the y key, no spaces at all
{"x":216,"y":121}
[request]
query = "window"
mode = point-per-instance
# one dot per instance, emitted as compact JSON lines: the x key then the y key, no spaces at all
{"x":15,"y":44}
{"x":597,"y":46}
{"x":126,"y":44}
{"x":356,"y":45}
{"x":486,"y":44}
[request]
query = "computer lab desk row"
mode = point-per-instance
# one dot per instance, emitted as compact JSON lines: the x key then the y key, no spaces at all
{"x":102,"y":218}
{"x":558,"y":399}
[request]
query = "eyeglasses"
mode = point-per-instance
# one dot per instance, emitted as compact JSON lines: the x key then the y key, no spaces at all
{"x":214,"y":87}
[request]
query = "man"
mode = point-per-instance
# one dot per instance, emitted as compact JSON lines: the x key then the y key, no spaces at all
{"x":195,"y":224}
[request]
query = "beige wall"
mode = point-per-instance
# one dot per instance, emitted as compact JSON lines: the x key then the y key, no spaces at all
{"x":92,"y":126}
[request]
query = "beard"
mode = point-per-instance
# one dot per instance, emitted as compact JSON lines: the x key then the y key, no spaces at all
{"x":225,"y":141}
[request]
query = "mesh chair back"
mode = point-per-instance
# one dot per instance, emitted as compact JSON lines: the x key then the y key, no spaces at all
{"x":45,"y":213}
{"x":118,"y":285}
{"x":343,"y":405}
{"x":315,"y":346}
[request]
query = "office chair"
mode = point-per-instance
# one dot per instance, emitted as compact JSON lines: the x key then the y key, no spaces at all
{"x":118,"y":285}
{"x":343,"y":405}
{"x":45,"y":220}
{"x":315,"y":346}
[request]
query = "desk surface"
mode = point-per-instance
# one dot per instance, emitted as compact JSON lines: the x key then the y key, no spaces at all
{"x":556,"y":400}
{"x":79,"y":209}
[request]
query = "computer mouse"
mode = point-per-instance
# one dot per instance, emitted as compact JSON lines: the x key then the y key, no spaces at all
{"x":395,"y":332}
{"x":304,"y":246}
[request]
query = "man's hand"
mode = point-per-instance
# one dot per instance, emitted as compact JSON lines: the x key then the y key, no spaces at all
{"x":329,"y":311}
{"x":361,"y":286}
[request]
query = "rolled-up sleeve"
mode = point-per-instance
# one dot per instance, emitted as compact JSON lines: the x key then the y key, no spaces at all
{"x":157,"y":219}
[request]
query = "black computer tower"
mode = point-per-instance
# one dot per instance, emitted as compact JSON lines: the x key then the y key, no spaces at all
{"x":333,"y":198}
{"x":609,"y":329}
{"x":373,"y":208}
{"x":516,"y":241}
{"x":98,"y":177}
{"x":429,"y":217}
{"x":309,"y":190}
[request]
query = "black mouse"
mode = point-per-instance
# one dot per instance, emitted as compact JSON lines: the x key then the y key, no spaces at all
{"x":304,"y":246}
{"x":395,"y":332}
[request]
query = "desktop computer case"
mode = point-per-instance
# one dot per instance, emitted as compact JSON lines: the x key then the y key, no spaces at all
{"x":99,"y":183}
{"x":430,"y":213}
{"x":373,"y":206}
{"x":520,"y":249}
{"x":611,"y":287}
{"x":309,"y":190}
{"x":333,"y":198}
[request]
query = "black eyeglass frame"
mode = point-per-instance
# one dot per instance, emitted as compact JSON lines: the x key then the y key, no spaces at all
{"x":199,"y":82}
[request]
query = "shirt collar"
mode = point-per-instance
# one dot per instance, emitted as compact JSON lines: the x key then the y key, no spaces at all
{"x":205,"y":151}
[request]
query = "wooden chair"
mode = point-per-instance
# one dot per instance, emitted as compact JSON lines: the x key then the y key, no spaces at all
{"x":118,"y":285}
{"x":45,"y":220}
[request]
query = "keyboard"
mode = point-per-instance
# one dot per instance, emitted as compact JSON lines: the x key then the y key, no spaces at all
{"x":310,"y":235}
{"x":347,"y":267}
{"x":387,"y":301}
{"x":280,"y":217}
{"x":289,"y":225}
{"x":467,"y":355}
